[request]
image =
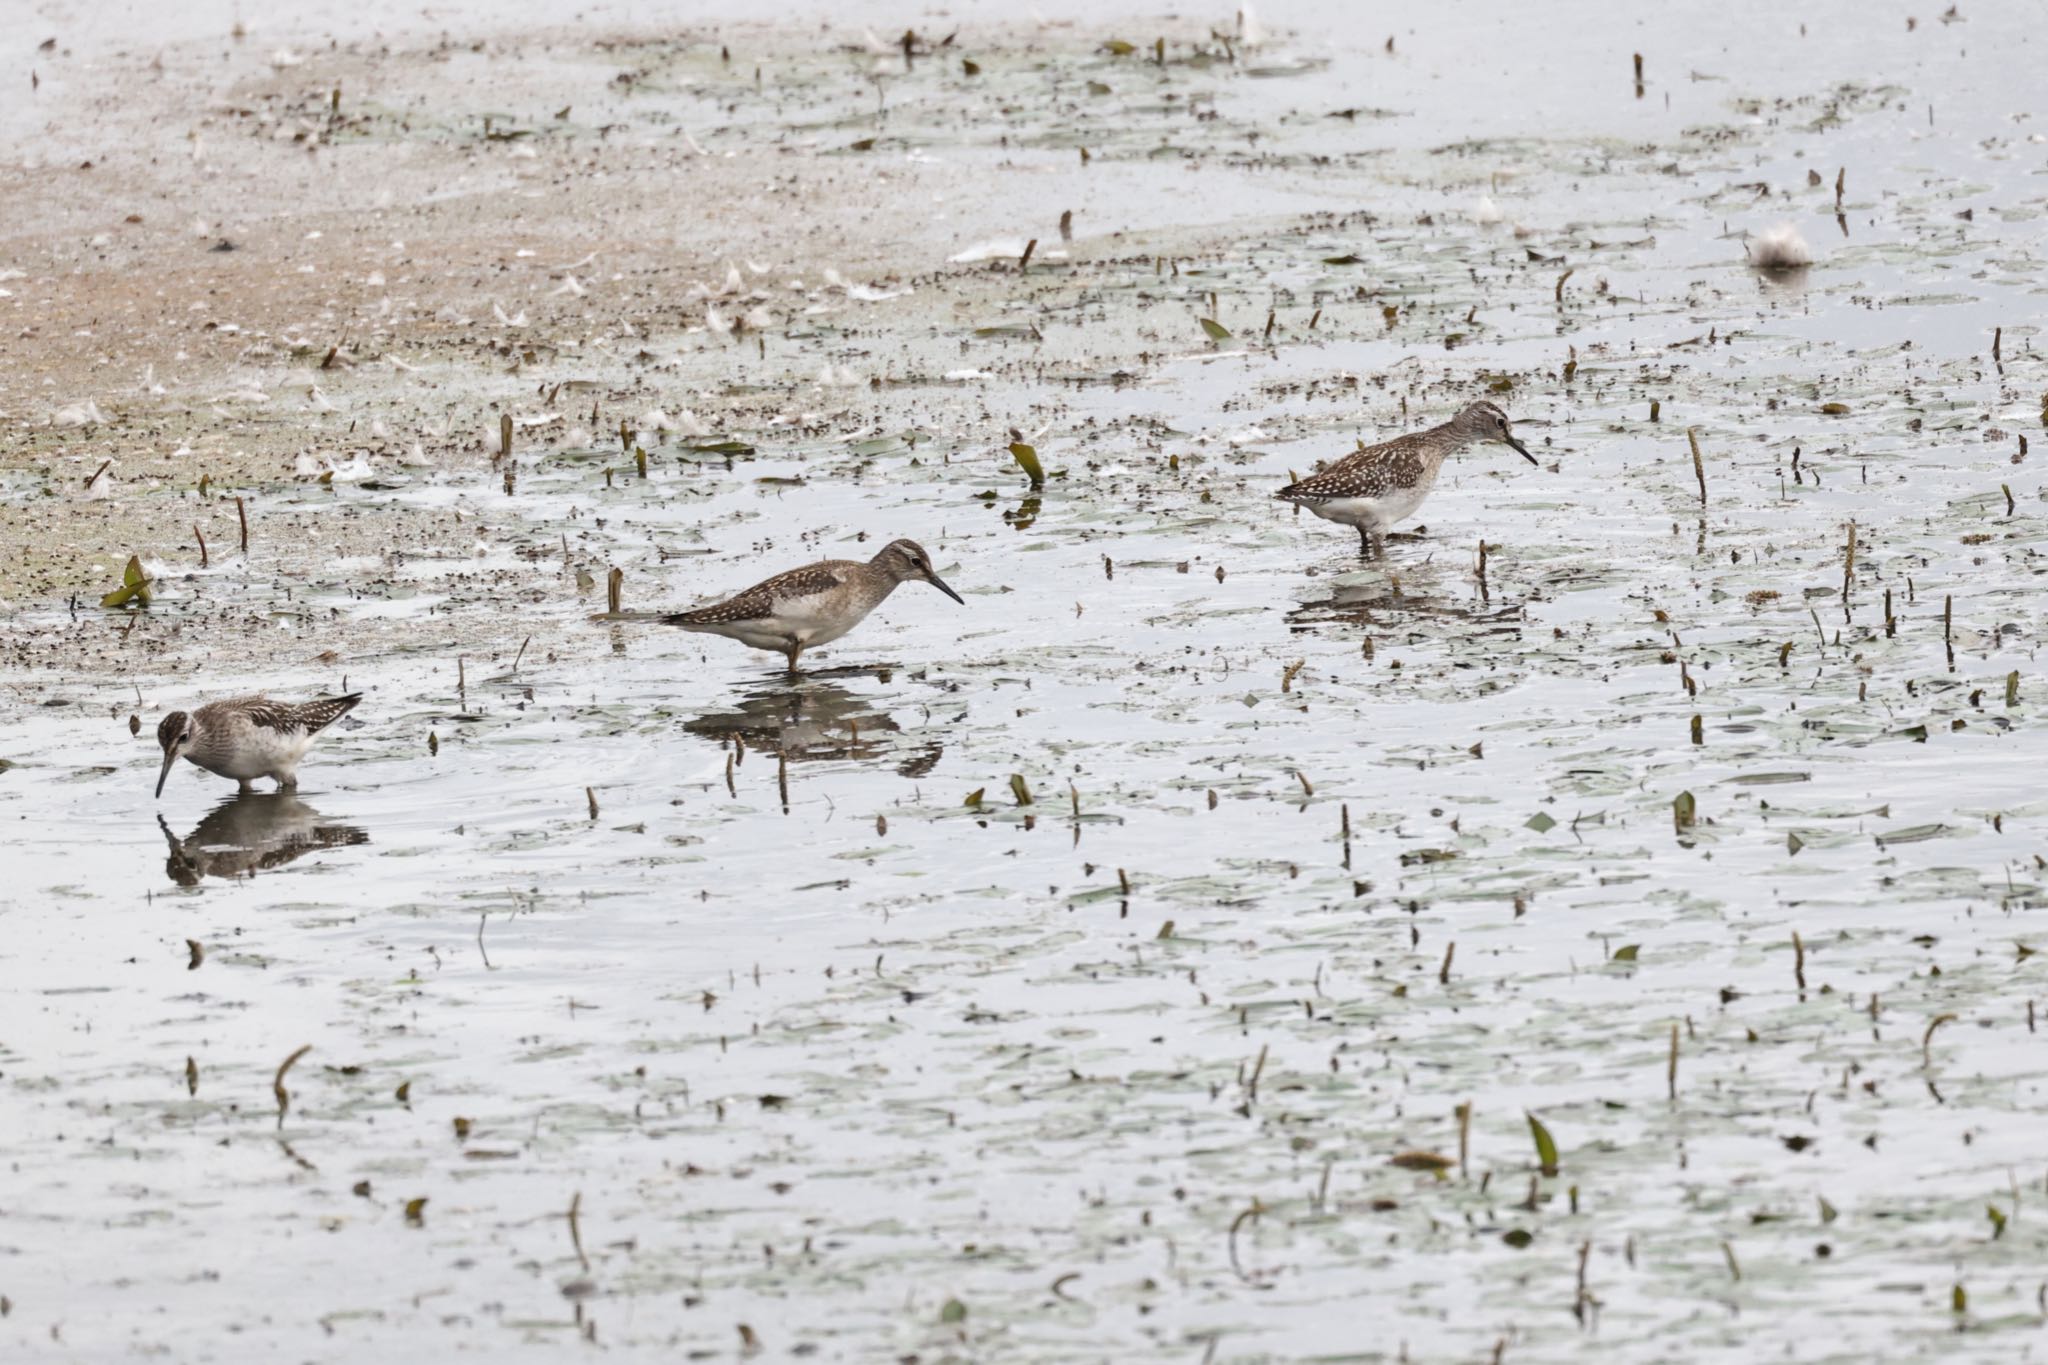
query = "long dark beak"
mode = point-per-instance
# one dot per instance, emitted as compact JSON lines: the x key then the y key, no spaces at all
{"x":1522,"y":450}
{"x":940,"y":584}
{"x":170,"y":757}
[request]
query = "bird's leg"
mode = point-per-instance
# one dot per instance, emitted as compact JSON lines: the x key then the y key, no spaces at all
{"x":796,"y":647}
{"x":1365,"y":541}
{"x":288,"y":782}
{"x":243,"y":786}
{"x":1379,"y":545}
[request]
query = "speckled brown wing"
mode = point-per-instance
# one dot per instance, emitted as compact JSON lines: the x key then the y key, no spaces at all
{"x":308,"y":718}
{"x":1370,"y":473}
{"x":758,"y":602}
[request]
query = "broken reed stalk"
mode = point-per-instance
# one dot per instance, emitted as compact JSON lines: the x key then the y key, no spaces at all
{"x":461,"y":682}
{"x":243,"y":513}
{"x":1443,"y":976}
{"x":590,"y":795}
{"x":1799,"y":961}
{"x":1024,"y":261}
{"x":202,"y":544}
{"x":504,"y":434}
{"x":1997,"y":337}
{"x":1671,"y":1067}
{"x":782,"y":778}
{"x":1848,"y":566}
{"x":1699,"y":468}
{"x":1464,"y":1137}
{"x":1482,"y":569}
{"x":614,"y":589}
{"x":1948,"y":639}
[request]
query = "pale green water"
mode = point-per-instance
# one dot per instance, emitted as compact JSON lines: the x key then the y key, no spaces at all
{"x":821,"y":1067}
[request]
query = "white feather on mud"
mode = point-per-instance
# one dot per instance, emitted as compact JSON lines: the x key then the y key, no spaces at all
{"x":863,"y":293}
{"x":84,"y":414}
{"x":1780,"y":248}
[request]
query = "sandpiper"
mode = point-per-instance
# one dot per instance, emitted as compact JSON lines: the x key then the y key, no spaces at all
{"x":794,"y":611}
{"x":248,"y":737}
{"x":1376,"y":486}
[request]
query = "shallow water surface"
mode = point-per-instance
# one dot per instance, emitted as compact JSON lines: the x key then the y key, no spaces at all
{"x":1175,"y":953}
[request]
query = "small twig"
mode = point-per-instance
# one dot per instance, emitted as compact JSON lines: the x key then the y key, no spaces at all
{"x":284,"y":1096}
{"x":575,"y":1233}
{"x":1671,"y":1067}
{"x":1927,"y":1039}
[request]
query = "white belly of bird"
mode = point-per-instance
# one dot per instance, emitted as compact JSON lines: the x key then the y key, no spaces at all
{"x":263,"y":753}
{"x":807,"y":619}
{"x":1380,"y":514}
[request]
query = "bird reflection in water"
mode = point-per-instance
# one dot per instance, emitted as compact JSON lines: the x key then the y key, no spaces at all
{"x":1424,"y":592}
{"x":251,"y":833}
{"x":818,"y":719}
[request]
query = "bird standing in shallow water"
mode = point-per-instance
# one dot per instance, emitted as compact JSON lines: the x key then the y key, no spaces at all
{"x":248,"y":737}
{"x":818,"y":603}
{"x":1379,"y":485}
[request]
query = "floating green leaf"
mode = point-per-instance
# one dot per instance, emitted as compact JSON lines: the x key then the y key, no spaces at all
{"x":954,"y":1311}
{"x":1027,"y":460}
{"x":1422,"y":1161}
{"x":1518,"y":1237}
{"x":134,"y":589}
{"x":1117,"y":47}
{"x":1540,"y":822}
{"x":1546,"y":1146}
{"x":1348,"y":258}
{"x":974,"y":797}
{"x":1216,"y":330}
{"x":1627,"y":953}
{"x":1020,"y":789}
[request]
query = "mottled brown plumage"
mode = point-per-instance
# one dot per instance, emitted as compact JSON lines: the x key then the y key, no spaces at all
{"x":818,"y":603}
{"x":1380,"y":485}
{"x":248,"y":737}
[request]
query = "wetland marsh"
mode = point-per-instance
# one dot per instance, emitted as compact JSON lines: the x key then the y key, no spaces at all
{"x":1162,"y":956}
